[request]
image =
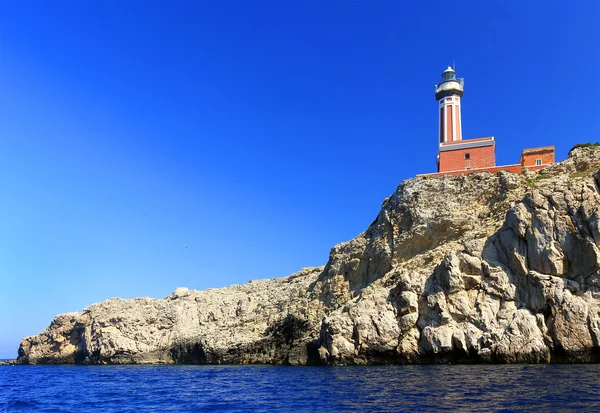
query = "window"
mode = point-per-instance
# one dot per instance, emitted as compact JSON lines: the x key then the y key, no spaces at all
{"x":467,"y":156}
{"x":538,"y":162}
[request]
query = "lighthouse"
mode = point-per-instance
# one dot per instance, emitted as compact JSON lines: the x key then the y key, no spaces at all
{"x":448,"y":94}
{"x":460,"y":157}
{"x":454,"y":153}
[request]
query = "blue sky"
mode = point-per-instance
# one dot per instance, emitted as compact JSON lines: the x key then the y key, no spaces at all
{"x":258,"y":133}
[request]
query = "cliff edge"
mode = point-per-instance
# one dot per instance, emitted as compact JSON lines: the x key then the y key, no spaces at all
{"x":478,"y":268}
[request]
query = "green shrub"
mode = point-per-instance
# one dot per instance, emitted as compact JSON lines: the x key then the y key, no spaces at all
{"x":584,"y":145}
{"x":530,"y":182}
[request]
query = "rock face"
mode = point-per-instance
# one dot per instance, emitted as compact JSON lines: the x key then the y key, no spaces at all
{"x":478,"y":268}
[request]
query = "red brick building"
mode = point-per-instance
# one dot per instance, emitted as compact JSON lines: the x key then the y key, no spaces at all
{"x":468,"y":154}
{"x":537,"y":156}
{"x":457,"y":156}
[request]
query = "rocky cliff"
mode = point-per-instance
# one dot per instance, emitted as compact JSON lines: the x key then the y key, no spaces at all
{"x":477,"y":268}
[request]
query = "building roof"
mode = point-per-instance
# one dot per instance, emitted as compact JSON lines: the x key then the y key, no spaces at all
{"x":467,"y":143}
{"x":449,"y":69}
{"x":464,"y":141}
{"x":538,"y":150}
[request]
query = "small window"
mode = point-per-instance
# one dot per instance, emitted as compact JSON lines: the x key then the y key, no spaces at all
{"x":467,"y":156}
{"x":538,"y":162}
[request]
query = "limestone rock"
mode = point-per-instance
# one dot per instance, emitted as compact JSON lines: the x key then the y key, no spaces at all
{"x":489,"y":268}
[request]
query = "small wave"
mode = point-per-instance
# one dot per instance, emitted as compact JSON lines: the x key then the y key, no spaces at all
{"x":17,"y":404}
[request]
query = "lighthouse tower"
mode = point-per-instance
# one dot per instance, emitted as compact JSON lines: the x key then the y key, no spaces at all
{"x":454,"y":153}
{"x":448,"y":94}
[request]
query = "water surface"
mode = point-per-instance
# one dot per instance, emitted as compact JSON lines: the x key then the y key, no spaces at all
{"x":434,"y":388}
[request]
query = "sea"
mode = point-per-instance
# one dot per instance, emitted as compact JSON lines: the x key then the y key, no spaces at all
{"x":414,"y":388}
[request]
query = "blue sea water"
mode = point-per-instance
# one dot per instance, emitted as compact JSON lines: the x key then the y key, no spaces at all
{"x":433,"y":388}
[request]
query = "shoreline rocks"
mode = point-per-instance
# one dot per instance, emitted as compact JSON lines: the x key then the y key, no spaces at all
{"x":8,"y":362}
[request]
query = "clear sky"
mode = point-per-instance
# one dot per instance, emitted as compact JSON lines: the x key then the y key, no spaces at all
{"x":258,"y":133}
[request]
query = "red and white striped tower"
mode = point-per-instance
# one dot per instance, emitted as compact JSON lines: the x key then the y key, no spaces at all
{"x":448,"y":94}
